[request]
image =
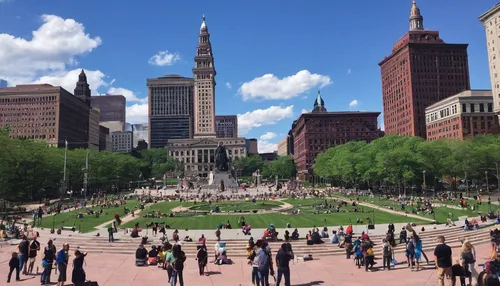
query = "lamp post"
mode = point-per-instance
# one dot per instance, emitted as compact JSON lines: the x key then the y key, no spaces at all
{"x":86,"y":175}
{"x":487,"y":184}
{"x":467,"y":184}
{"x":63,"y":188}
{"x":423,"y":176}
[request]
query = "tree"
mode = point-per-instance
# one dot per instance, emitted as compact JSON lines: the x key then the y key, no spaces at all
{"x":283,"y":167}
{"x":248,"y":165}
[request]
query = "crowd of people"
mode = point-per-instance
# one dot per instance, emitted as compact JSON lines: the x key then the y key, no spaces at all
{"x":24,"y":260}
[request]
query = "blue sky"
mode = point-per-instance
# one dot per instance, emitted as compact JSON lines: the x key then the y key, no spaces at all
{"x":330,"y":45}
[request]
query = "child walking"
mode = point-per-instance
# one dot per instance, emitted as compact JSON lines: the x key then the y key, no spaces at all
{"x":13,"y":264}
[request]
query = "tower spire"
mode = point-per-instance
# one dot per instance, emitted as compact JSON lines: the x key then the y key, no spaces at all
{"x":416,"y":19}
{"x":82,"y":89}
{"x":203,"y":24}
{"x":319,"y":104}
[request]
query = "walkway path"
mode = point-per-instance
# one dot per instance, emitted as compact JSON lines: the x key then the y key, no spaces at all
{"x":126,"y":219}
{"x":388,"y":210}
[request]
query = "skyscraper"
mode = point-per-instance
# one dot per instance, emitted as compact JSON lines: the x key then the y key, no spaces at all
{"x":226,"y":126}
{"x":491,"y":20}
{"x":170,"y":109}
{"x":112,"y":111}
{"x":421,"y":70}
{"x":3,"y":83}
{"x":197,"y":153}
{"x":204,"y":86}
{"x":82,"y":89}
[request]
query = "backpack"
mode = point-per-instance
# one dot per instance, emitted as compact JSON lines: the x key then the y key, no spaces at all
{"x":468,"y":257}
{"x":263,"y":260}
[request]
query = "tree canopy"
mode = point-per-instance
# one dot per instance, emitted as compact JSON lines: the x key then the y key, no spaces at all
{"x":30,"y":169}
{"x":398,"y":162}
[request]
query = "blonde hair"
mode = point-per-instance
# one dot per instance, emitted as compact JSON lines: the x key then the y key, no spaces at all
{"x":466,"y":246}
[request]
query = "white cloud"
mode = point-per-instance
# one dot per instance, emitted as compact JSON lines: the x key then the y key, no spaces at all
{"x":266,"y":146}
{"x":270,"y":87}
{"x":137,"y":113}
{"x":53,"y":46}
{"x":164,"y":58}
{"x":228,"y":85}
{"x":349,"y":71}
{"x":68,"y":79}
{"x":268,"y":136}
{"x":262,"y":117}
{"x":129,"y":95}
{"x":353,"y":103}
{"x":305,"y":111}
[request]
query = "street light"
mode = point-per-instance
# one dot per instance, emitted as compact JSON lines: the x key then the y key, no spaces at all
{"x":423,"y":175}
{"x":487,"y":185}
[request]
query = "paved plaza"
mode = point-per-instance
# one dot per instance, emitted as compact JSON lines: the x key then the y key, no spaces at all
{"x":119,"y":270}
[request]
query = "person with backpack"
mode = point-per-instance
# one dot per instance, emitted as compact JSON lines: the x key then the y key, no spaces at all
{"x":468,"y":258}
{"x":177,"y":265}
{"x":388,"y":254}
{"x":47,"y":261}
{"x":283,"y":257}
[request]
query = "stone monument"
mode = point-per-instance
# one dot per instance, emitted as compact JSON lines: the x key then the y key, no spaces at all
{"x":220,"y":178}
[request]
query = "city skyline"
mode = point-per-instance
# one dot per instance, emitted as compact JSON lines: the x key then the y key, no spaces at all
{"x":268,"y":85}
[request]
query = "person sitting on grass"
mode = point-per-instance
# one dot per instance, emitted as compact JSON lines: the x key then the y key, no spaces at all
{"x":141,"y":256}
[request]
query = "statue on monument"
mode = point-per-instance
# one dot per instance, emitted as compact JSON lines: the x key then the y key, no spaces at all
{"x":221,"y":158}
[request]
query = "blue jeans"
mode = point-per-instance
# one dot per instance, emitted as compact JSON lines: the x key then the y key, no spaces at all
{"x":285,"y":272}
{"x":45,"y":277}
{"x":264,"y":277}
{"x":255,"y":276}
{"x":177,"y":274}
{"x":21,"y":261}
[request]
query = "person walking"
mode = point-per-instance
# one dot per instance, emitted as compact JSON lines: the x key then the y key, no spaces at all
{"x":62,"y":264}
{"x":33,"y":251}
{"x":13,"y":265}
{"x":283,"y":257}
{"x":202,"y":257}
{"x":443,"y":262}
{"x":468,"y":258}
{"x":48,"y":259}
{"x":178,"y":266}
{"x":23,"y":254}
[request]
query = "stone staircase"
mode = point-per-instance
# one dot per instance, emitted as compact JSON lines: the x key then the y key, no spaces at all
{"x":237,"y":247}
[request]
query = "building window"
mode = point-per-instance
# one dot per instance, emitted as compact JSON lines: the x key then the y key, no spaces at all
{"x":481,"y":107}
{"x":464,"y":107}
{"x":490,"y":107}
{"x":472,"y":108}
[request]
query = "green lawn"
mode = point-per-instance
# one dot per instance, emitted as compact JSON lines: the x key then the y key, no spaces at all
{"x":441,"y":214}
{"x":230,"y":206}
{"x":307,"y":218}
{"x":89,"y":222}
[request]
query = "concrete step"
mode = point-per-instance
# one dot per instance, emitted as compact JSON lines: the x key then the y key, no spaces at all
{"x":238,"y":248}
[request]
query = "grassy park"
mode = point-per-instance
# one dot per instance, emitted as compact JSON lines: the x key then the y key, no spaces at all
{"x":88,"y":222}
{"x":309,"y":216}
{"x":441,"y":214}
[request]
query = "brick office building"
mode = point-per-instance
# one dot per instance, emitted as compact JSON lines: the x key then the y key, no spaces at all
{"x":421,"y":70}
{"x":319,"y":130}
{"x":46,"y":112}
{"x":226,"y":126}
{"x":461,"y":116}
